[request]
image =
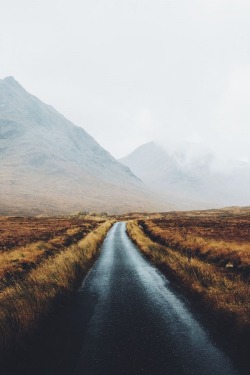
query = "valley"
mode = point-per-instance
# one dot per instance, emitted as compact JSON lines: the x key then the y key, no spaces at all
{"x":125,"y":187}
{"x":105,"y":260}
{"x":201,"y":278}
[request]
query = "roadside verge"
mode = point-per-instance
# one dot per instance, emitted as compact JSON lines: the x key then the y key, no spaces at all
{"x":25,"y":303}
{"x":224,"y":301}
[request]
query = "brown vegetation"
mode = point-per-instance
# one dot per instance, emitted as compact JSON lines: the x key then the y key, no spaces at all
{"x":29,"y":296}
{"x":20,"y":231}
{"x":221,"y":237}
{"x":192,"y":249}
{"x":26,"y":242}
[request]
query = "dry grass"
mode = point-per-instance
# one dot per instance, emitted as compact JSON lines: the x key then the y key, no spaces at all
{"x":225,"y":295}
{"x":218,"y":236}
{"x":30,"y":298}
{"x":26,"y":242}
{"x":21,"y":231}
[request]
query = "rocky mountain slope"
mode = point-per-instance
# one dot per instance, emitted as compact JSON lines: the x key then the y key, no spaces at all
{"x":49,"y":165}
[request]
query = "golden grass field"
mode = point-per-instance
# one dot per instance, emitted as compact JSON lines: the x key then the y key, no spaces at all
{"x":208,"y":253}
{"x":25,"y":242}
{"x":42,"y":260}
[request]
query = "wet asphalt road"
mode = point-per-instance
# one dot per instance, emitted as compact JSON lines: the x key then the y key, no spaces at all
{"x":126,"y":319}
{"x":138,"y":325}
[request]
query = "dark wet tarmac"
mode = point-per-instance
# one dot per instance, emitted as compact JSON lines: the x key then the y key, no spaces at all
{"x":126,"y":320}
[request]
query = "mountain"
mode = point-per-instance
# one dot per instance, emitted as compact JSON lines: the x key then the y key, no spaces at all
{"x":191,"y":174}
{"x":49,"y":165}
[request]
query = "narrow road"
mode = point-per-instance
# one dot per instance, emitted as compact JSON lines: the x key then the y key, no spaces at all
{"x":137,"y":324}
{"x":126,"y":319}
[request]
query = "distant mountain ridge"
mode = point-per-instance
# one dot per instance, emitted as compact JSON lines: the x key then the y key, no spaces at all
{"x":189,"y":174}
{"x":49,"y":165}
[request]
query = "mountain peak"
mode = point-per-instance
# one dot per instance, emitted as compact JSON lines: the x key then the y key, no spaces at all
{"x":47,"y":164}
{"x":11,"y":80}
{"x":190,"y":172}
{"x":11,"y":83}
{"x":149,"y":144}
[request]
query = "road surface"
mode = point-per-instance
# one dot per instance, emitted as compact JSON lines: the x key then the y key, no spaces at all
{"x":126,"y":319}
{"x":138,"y":325}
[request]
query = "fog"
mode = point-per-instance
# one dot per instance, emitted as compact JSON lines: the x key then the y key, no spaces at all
{"x":130,"y":72}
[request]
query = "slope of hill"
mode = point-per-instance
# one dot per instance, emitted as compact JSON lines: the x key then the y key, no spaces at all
{"x":49,"y":165}
{"x":191,"y":174}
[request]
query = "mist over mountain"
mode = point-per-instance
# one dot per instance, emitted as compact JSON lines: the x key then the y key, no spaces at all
{"x":49,"y":165}
{"x":192,"y":173}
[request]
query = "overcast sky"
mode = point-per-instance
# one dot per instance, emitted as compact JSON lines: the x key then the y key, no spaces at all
{"x":131,"y":71}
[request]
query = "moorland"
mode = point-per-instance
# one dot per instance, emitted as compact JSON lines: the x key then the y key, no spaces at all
{"x":42,"y":260}
{"x":207,"y":253}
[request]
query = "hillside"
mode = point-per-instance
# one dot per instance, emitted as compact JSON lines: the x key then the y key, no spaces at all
{"x":191,"y":174}
{"x":49,"y":165}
